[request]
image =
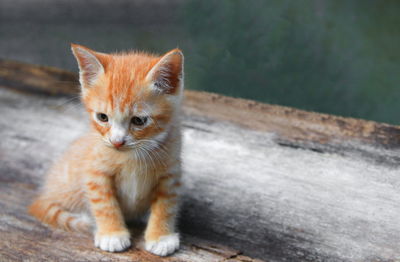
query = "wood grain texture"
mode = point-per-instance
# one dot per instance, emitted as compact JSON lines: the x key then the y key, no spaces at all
{"x":273,"y":182}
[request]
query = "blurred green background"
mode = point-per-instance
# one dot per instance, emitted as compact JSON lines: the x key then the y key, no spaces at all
{"x":333,"y":56}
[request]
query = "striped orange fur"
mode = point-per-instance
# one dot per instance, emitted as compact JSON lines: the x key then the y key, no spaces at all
{"x":129,"y":161}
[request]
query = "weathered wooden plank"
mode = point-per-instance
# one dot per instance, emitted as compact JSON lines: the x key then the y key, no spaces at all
{"x":290,"y":123}
{"x":38,"y":79}
{"x":276,"y":183}
{"x":30,"y":143}
{"x":24,"y":239}
{"x":293,"y":126}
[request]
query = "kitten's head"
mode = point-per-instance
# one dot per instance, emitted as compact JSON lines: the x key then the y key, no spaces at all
{"x":131,"y":97}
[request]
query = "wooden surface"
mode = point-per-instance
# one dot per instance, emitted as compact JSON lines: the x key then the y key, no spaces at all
{"x":272,"y":182}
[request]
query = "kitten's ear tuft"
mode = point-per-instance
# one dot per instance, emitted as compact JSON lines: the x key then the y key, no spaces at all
{"x":91,"y":64}
{"x":167,"y":74}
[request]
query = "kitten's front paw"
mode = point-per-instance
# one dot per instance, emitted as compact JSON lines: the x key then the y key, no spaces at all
{"x":113,"y":242}
{"x":165,"y":246}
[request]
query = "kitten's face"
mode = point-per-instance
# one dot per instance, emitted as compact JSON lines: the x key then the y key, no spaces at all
{"x":144,"y":118}
{"x":131,"y":98}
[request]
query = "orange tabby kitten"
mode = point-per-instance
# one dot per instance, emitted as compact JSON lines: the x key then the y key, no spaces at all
{"x":129,"y":162}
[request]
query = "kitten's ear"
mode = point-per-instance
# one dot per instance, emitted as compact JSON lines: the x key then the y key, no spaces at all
{"x":91,"y":64}
{"x":167,"y":74}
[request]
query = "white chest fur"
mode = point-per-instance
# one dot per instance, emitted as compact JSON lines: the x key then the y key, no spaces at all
{"x":134,"y":190}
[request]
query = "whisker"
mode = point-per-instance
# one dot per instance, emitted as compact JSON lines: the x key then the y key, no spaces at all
{"x":150,"y":158}
{"x":154,"y":154}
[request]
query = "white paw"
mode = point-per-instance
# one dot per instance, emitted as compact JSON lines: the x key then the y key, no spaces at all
{"x":113,"y":242}
{"x":165,"y":246}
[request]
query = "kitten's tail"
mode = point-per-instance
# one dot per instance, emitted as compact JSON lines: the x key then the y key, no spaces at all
{"x":53,"y":214}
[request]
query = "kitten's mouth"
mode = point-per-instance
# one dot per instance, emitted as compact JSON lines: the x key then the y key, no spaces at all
{"x":119,"y":148}
{"x":122,"y":148}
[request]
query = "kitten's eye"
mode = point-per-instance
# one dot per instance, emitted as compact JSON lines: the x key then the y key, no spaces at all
{"x":139,"y":121}
{"x":102,"y":117}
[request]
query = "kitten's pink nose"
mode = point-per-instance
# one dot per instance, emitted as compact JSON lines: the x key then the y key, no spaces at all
{"x":118,"y":144}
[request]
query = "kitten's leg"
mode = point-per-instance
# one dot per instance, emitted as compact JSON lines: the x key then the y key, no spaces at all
{"x":160,"y":235}
{"x":111,"y":234}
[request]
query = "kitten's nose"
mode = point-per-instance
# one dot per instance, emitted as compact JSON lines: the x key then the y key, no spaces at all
{"x":118,"y":144}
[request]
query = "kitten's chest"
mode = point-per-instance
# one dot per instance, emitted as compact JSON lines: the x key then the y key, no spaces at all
{"x":134,"y":188}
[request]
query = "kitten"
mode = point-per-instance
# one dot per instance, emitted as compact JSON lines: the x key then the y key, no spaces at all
{"x":129,"y":162}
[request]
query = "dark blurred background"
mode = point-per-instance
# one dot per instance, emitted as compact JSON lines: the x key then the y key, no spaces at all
{"x":334,"y":56}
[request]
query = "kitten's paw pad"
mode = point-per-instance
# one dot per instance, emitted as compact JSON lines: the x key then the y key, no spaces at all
{"x":113,"y":242}
{"x":165,"y":246}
